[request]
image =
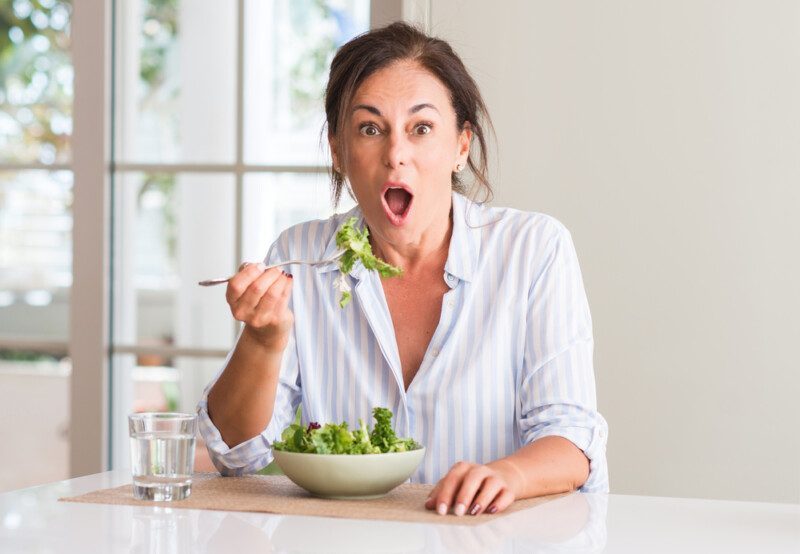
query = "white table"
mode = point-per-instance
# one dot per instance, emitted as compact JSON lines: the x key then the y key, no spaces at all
{"x":32,"y":520}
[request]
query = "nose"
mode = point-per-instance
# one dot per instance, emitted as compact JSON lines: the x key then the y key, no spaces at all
{"x":396,"y":152}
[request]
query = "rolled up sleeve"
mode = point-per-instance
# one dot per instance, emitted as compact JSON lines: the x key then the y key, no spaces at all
{"x":557,"y":394}
{"x":255,"y":453}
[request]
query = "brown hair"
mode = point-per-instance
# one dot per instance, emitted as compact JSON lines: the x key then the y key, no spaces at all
{"x":367,"y":53}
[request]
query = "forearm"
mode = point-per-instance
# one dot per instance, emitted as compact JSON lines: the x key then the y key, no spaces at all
{"x":549,"y":465}
{"x":241,"y":402}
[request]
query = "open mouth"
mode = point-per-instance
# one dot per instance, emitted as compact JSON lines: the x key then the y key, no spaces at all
{"x":397,"y":203}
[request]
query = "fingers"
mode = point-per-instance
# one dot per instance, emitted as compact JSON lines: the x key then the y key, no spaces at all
{"x":473,"y":482}
{"x":441,"y":498}
{"x":259,"y":285}
{"x":238,"y":284}
{"x":470,"y":489}
{"x":501,"y":501}
{"x":259,"y":297}
{"x":487,"y":498}
{"x":276,"y":298}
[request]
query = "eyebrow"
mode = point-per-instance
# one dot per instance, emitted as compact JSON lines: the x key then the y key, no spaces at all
{"x":376,"y":111}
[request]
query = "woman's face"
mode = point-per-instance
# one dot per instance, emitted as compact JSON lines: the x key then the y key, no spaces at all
{"x":402,"y":146}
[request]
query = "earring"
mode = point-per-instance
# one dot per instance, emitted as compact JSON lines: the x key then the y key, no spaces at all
{"x":459,"y":167}
{"x":337,"y":169}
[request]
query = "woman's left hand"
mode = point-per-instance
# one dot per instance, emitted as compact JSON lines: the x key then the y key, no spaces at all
{"x":473,"y":489}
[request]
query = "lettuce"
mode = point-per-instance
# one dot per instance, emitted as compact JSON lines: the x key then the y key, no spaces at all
{"x":356,"y":247}
{"x":338,"y":439}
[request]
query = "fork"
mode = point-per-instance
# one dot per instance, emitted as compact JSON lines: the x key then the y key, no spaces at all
{"x":338,"y":254}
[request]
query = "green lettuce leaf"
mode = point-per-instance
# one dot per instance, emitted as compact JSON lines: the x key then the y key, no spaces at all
{"x":356,"y":247}
{"x":338,"y":439}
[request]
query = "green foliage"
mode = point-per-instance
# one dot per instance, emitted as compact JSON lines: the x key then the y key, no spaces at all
{"x":383,"y":435}
{"x":356,"y":245}
{"x":172,"y":395}
{"x":36,"y":79}
{"x":160,"y":29}
{"x":25,"y":356}
{"x":309,"y":69}
{"x":164,"y":183}
{"x":30,"y":19}
{"x":333,"y":438}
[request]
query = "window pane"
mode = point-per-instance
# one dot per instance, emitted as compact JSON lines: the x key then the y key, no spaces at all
{"x":34,"y":406}
{"x":172,"y":231}
{"x":289,"y":45}
{"x":176,"y":81}
{"x":147,"y":383}
{"x":275,"y":201}
{"x":35,"y":253}
{"x":35,"y":82}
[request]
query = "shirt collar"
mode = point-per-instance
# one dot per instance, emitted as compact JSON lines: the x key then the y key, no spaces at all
{"x":462,"y":256}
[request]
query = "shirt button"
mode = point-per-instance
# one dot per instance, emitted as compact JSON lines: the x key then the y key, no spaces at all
{"x":451,"y":304}
{"x":450,"y":278}
{"x":435,"y":351}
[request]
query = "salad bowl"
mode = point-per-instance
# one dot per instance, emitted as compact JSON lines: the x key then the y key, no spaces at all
{"x":344,"y":476}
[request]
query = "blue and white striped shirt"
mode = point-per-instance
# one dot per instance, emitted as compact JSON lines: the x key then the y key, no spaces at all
{"x":510,"y":361}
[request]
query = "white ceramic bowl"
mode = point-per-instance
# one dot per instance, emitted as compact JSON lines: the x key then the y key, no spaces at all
{"x":349,"y":476}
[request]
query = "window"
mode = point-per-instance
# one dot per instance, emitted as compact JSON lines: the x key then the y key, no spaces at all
{"x":36,"y":187}
{"x":215,"y":119}
{"x":217,"y":149}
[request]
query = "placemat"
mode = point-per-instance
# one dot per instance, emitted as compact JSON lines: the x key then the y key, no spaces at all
{"x":276,"y":494}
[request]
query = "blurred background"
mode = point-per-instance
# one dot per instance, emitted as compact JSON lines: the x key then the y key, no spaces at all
{"x":149,"y":144}
{"x":217,"y":123}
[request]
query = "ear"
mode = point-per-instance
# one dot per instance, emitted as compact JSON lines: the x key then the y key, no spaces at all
{"x":464,"y":140}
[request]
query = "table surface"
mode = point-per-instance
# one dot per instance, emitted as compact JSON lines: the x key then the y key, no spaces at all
{"x":32,"y":520}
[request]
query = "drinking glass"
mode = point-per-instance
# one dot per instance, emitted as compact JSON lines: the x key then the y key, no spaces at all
{"x":162,"y":455}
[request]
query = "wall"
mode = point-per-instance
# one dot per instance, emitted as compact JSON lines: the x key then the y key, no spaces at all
{"x":34,"y":409}
{"x":666,"y":136}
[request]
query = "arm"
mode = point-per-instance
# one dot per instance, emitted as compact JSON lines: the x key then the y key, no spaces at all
{"x":254,"y":453}
{"x":562,"y":434}
{"x":549,"y":465}
{"x":242,"y":400}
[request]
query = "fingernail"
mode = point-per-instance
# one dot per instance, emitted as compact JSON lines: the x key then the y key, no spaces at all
{"x":474,"y":509}
{"x":442,"y":509}
{"x":492,"y":509}
{"x":460,"y":509}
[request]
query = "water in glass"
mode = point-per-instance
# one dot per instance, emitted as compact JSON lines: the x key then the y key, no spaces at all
{"x":162,"y":455}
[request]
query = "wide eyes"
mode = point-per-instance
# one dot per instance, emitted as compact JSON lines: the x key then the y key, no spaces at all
{"x":372,"y":130}
{"x":423,"y":128}
{"x":369,"y":130}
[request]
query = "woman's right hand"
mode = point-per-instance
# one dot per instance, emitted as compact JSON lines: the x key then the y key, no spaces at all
{"x":260,"y":300}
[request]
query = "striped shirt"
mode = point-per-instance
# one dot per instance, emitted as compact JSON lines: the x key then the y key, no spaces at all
{"x":510,"y":361}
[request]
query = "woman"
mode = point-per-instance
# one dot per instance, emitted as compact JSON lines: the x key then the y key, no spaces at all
{"x":482,"y":348}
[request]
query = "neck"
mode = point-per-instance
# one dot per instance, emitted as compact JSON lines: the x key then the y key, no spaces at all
{"x":431,"y":249}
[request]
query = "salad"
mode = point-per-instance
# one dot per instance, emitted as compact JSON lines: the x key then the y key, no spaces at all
{"x":356,"y":246}
{"x":338,"y":439}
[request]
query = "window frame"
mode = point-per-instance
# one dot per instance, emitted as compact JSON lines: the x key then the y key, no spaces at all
{"x":90,"y":343}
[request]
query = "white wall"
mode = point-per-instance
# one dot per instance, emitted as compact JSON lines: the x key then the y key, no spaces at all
{"x":34,"y":409}
{"x":666,"y":136}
